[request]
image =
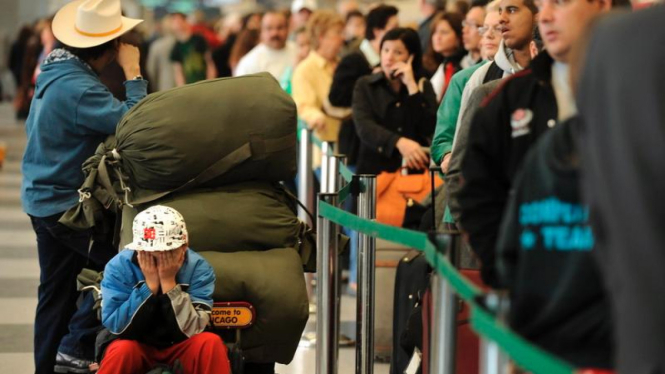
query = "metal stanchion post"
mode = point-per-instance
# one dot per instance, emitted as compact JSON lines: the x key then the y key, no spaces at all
{"x":333,"y":174}
{"x":366,"y":277}
{"x":326,"y":150}
{"x":444,"y":326}
{"x":306,"y":196}
{"x":305,"y":175}
{"x":335,"y":180}
{"x":335,"y":183}
{"x":492,"y":358}
{"x":327,"y":291}
{"x":444,"y":323}
{"x":339,"y":160}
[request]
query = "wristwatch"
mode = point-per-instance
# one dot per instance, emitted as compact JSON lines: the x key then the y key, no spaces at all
{"x":138,"y":77}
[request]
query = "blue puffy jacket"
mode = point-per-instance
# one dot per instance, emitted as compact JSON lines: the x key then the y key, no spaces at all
{"x":131,"y":311}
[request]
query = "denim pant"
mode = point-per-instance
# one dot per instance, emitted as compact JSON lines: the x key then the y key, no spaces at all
{"x":59,"y":326}
{"x":350,"y":206}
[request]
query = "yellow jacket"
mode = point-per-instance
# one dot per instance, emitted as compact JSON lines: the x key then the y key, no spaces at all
{"x":312,"y":79}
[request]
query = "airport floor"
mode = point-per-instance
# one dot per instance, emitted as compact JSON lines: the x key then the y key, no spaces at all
{"x":19,"y":274}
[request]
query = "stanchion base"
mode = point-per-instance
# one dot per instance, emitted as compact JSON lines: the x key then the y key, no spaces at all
{"x":308,"y":340}
{"x":345,"y":341}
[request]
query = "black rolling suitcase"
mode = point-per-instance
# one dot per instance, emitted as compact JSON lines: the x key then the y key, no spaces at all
{"x":411,"y":282}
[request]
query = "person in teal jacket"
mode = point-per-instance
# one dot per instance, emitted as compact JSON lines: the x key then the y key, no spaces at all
{"x":446,"y":116}
{"x":449,"y":110}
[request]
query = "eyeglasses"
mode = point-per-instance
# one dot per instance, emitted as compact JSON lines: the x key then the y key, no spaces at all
{"x":470,"y":24}
{"x":495,"y":30}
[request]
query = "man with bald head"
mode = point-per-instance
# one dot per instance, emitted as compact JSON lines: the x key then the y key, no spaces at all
{"x":274,"y":53}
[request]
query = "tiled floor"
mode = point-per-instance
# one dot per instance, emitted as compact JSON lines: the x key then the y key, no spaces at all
{"x":19,"y":271}
{"x":19,"y":274}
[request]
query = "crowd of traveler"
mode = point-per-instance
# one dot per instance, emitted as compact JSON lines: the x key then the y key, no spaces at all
{"x":513,"y":99}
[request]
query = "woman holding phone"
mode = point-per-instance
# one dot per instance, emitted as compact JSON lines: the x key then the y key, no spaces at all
{"x":395,"y":109}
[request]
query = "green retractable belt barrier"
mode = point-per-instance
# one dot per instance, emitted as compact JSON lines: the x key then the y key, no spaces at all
{"x":525,"y":354}
{"x":344,"y":193}
{"x":316,"y":141}
{"x":346,"y":173}
{"x":412,"y":239}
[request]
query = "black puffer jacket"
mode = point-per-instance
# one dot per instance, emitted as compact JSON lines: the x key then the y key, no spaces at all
{"x":383,"y":116}
{"x":545,"y":256}
{"x":502,"y":131}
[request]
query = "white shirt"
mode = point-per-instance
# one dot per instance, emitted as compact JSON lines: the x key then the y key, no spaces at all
{"x":438,"y":80}
{"x":565,"y":100}
{"x":370,"y":54}
{"x":263,"y":58}
{"x":504,"y":59}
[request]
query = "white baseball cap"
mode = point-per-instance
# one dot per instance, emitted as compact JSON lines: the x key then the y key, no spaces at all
{"x":158,"y":228}
{"x":89,"y":23}
{"x":298,"y":5}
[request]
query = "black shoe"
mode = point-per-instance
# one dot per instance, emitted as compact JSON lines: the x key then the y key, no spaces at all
{"x":69,"y":364}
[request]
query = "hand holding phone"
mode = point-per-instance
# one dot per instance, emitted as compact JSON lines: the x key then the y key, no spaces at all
{"x":404,"y":72}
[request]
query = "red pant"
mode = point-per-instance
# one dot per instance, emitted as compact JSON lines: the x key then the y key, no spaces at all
{"x":203,"y":353}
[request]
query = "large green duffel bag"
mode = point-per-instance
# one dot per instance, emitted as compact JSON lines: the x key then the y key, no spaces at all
{"x":250,"y":216}
{"x":273,"y":282}
{"x":209,"y":134}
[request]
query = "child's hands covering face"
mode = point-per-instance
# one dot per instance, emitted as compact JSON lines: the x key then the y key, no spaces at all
{"x":148,"y":265}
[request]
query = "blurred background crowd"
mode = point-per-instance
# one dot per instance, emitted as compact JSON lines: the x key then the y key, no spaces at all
{"x":216,"y":32}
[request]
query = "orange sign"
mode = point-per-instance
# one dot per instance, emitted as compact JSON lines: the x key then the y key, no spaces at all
{"x":233,"y":315}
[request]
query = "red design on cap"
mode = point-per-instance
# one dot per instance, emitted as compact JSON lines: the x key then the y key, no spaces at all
{"x":149,"y":234}
{"x":519,"y":114}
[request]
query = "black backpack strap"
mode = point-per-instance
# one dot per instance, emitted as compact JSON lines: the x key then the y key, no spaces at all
{"x":494,"y":73}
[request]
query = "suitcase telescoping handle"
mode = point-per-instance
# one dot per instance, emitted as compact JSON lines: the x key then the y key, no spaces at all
{"x":433,"y":169}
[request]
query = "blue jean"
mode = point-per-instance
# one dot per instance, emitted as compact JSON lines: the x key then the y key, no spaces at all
{"x":349,"y":206}
{"x":353,"y":255}
{"x":59,"y":325}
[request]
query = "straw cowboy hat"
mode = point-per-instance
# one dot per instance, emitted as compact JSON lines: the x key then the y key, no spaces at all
{"x":89,"y":23}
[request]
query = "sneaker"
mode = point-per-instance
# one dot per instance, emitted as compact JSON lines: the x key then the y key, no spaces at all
{"x":69,"y":364}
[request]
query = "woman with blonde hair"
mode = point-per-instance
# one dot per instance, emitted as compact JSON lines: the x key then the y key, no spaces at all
{"x":313,"y":77}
